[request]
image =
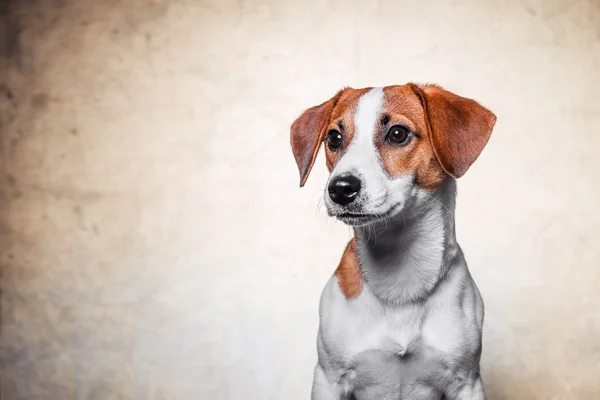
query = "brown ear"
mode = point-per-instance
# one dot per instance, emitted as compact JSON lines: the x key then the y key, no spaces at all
{"x":306,"y":135}
{"x":459,"y":128}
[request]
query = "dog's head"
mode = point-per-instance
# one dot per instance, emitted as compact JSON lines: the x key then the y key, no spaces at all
{"x":388,"y":147}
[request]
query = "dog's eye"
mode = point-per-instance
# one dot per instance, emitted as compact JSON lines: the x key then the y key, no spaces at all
{"x":399,"y":135}
{"x":334,"y":139}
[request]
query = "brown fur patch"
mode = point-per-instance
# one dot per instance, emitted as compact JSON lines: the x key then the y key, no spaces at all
{"x":404,"y":107}
{"x":348,"y":272}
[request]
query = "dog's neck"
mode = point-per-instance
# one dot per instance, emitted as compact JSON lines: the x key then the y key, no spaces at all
{"x":403,"y":260}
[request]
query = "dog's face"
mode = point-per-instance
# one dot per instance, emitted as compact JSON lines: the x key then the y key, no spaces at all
{"x":386,"y":148}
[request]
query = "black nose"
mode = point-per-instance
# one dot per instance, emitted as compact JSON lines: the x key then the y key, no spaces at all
{"x":343,"y":189}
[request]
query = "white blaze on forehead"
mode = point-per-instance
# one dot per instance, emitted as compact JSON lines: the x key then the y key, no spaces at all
{"x":367,"y":113}
{"x":361,"y":155}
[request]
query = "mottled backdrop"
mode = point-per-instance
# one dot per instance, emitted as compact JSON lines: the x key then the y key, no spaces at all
{"x":155,"y":244}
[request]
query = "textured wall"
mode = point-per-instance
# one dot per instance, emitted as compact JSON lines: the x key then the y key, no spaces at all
{"x":154,"y":243}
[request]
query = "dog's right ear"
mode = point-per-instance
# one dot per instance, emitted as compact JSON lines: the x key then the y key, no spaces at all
{"x":307,"y":133}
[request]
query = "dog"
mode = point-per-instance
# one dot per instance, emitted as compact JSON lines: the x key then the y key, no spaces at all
{"x":401,"y":317}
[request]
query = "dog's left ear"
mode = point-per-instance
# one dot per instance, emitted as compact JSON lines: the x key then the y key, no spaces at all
{"x":459,"y":128}
{"x":307,"y":133}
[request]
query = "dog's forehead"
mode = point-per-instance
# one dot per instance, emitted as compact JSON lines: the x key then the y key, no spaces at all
{"x":402,"y":100}
{"x":397,"y":99}
{"x":347,"y":103}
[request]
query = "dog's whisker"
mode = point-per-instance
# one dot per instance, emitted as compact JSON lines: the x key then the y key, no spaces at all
{"x":430,"y":197}
{"x":318,"y":191}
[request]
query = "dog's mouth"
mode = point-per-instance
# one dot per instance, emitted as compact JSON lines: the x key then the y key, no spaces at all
{"x":362,"y":219}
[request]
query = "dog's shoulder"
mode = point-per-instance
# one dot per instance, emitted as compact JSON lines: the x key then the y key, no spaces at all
{"x":348,"y":273}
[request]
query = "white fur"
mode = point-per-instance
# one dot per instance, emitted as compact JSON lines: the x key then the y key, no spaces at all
{"x":374,"y":325}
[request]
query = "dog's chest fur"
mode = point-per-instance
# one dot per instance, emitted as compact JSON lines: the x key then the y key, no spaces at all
{"x":385,"y":348}
{"x":352,"y":327}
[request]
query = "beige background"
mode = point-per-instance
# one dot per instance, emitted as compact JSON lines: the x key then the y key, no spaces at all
{"x":155,"y":244}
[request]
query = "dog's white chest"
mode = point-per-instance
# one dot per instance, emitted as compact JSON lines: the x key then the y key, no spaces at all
{"x":352,"y":327}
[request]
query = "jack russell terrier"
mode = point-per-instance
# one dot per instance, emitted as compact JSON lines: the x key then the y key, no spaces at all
{"x":401,"y":317}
